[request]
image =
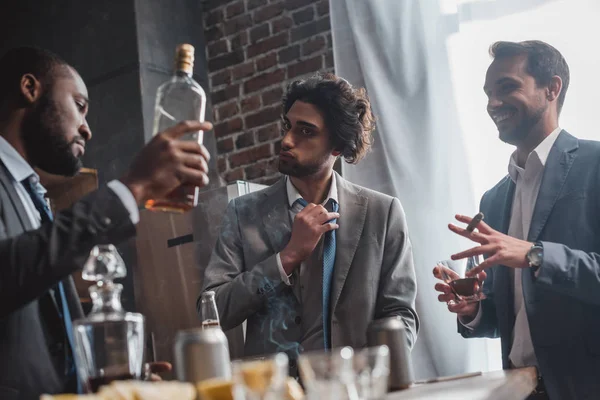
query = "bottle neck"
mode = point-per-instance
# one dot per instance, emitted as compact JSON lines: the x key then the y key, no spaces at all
{"x":183,"y":73}
{"x":106,"y":297}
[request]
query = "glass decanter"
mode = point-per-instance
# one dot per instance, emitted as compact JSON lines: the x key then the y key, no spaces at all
{"x":109,"y":342}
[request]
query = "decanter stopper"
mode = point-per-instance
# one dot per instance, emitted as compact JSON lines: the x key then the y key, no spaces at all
{"x":104,"y":265}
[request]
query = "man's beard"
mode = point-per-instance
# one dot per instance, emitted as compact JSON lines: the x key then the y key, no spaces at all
{"x":522,"y":130}
{"x":297,"y":170}
{"x":44,"y":143}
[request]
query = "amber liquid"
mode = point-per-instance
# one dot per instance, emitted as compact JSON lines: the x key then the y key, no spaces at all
{"x":94,"y":384}
{"x":210,"y":323}
{"x":178,"y":201}
{"x":465,"y":286}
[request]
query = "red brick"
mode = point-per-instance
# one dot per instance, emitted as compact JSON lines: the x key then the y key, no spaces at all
{"x":303,"y":15}
{"x":244,"y":140}
{"x":237,"y":24}
{"x":227,"y":111}
{"x":263,"y":117}
{"x":214,"y":17}
{"x":223,"y":95}
{"x":218,"y":47}
{"x":291,"y":53}
{"x":311,"y":29}
{"x":234,"y":175}
{"x":329,"y":41}
{"x":252,"y":4}
{"x":269,"y":132}
{"x":266,"y":62}
{"x":226,"y":60}
{"x":259,"y":32}
{"x":272,"y":96}
{"x":304,"y":67}
{"x":264,"y":80}
{"x":267,"y":45}
{"x":329,"y":59}
{"x":268,"y":12}
{"x":213,"y":34}
{"x":225,"y":146}
{"x":239,"y":40}
{"x":250,"y":155}
{"x":220,"y":78}
{"x":250,"y":103}
{"x":221,"y":164}
{"x":243,"y":70}
{"x":295,"y":4}
{"x":228,"y":127}
{"x":258,"y":170}
{"x":323,"y":7}
{"x":313,"y":45}
{"x":234,"y":9}
{"x":281,"y":24}
{"x":276,"y":147}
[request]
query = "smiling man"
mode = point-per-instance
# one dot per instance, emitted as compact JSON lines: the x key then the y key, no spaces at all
{"x":542,"y":236}
{"x":310,"y":261}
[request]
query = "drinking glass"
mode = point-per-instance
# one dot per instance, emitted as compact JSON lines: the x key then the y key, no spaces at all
{"x":372,"y":371}
{"x":465,"y":289}
{"x":329,"y":374}
{"x":263,"y":378}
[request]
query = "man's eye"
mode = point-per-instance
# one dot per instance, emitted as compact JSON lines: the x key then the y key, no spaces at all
{"x":305,"y":131}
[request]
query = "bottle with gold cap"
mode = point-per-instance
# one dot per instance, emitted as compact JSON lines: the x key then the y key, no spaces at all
{"x":180,"y":98}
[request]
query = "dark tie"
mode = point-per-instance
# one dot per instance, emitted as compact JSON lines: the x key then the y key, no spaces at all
{"x":328,"y":264}
{"x":33,"y":189}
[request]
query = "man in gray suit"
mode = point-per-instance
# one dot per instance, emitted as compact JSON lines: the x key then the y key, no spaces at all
{"x":310,"y":261}
{"x":542,"y":236}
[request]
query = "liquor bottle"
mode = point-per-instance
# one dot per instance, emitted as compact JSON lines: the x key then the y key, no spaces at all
{"x":179,"y":99}
{"x":208,"y":308}
{"x":109,"y":342}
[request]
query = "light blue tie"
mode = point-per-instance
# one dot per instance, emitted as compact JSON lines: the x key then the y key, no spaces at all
{"x":46,"y":215}
{"x":328,"y":264}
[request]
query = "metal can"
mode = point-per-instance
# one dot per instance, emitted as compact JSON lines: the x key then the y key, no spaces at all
{"x":202,"y":354}
{"x":392,"y":332}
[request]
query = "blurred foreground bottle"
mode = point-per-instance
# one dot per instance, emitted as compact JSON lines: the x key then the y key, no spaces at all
{"x":179,"y":99}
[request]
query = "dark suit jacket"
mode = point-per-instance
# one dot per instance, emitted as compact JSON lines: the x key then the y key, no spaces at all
{"x":563,"y":302}
{"x":31,"y":262}
{"x":373,"y":278}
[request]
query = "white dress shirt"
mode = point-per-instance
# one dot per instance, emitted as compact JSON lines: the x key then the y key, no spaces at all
{"x":19,"y":170}
{"x":528,"y":181}
{"x":295,"y":208}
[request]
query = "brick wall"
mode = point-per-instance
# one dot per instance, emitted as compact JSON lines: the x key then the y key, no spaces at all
{"x":254,"y":48}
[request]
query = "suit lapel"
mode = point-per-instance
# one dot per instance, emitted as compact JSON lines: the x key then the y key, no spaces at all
{"x":557,"y":168}
{"x":353,"y":211}
{"x":9,"y":187}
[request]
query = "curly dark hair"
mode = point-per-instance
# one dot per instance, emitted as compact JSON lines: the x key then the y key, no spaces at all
{"x":348,"y":115}
{"x":543,"y":62}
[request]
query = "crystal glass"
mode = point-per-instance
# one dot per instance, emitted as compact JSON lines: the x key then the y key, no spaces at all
{"x":372,"y":370}
{"x":329,"y":374}
{"x":109,"y":342}
{"x":262,"y":378}
{"x":465,"y":289}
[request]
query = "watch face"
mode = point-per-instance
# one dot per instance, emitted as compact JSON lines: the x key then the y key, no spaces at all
{"x":536,"y":255}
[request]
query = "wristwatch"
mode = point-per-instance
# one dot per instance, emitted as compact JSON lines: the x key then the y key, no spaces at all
{"x":535,"y":256}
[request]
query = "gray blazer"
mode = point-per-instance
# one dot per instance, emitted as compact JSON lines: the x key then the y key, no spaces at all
{"x":563,"y":302}
{"x":374,"y":274}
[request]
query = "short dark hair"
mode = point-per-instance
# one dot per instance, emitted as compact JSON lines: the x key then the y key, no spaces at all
{"x":348,"y":115}
{"x":543,"y":62}
{"x":16,"y":62}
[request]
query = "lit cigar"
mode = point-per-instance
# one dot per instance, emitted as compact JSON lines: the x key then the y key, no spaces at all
{"x":474,"y":222}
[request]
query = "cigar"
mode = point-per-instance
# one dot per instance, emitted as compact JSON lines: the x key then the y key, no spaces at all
{"x":474,"y":222}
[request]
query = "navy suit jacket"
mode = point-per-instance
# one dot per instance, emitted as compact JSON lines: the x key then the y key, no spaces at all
{"x":563,"y":301}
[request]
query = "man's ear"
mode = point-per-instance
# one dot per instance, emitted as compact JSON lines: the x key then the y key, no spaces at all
{"x":31,"y":88}
{"x":554,"y":88}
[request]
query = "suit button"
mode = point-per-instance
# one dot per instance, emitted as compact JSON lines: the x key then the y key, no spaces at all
{"x":106,"y":221}
{"x":298,"y":320}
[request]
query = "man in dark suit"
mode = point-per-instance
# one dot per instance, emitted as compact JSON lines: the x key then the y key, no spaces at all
{"x":43,"y":107}
{"x":312,"y":260}
{"x":542,"y":236}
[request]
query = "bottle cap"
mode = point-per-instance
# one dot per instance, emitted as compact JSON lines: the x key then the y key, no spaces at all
{"x":184,"y":58}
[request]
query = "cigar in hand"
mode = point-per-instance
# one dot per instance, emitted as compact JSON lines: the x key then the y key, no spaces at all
{"x":475,"y":221}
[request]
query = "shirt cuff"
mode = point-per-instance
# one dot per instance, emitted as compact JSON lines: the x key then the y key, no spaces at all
{"x":475,"y":322}
{"x":284,"y":277}
{"x":127,"y":199}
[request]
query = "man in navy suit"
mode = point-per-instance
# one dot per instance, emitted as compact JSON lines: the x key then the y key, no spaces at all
{"x":541,"y":238}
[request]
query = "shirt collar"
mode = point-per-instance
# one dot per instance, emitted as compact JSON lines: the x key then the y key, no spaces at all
{"x":542,"y":151}
{"x":293,"y":194}
{"x":16,"y":165}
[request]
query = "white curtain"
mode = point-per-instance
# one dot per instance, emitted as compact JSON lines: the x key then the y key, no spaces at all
{"x":423,"y":63}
